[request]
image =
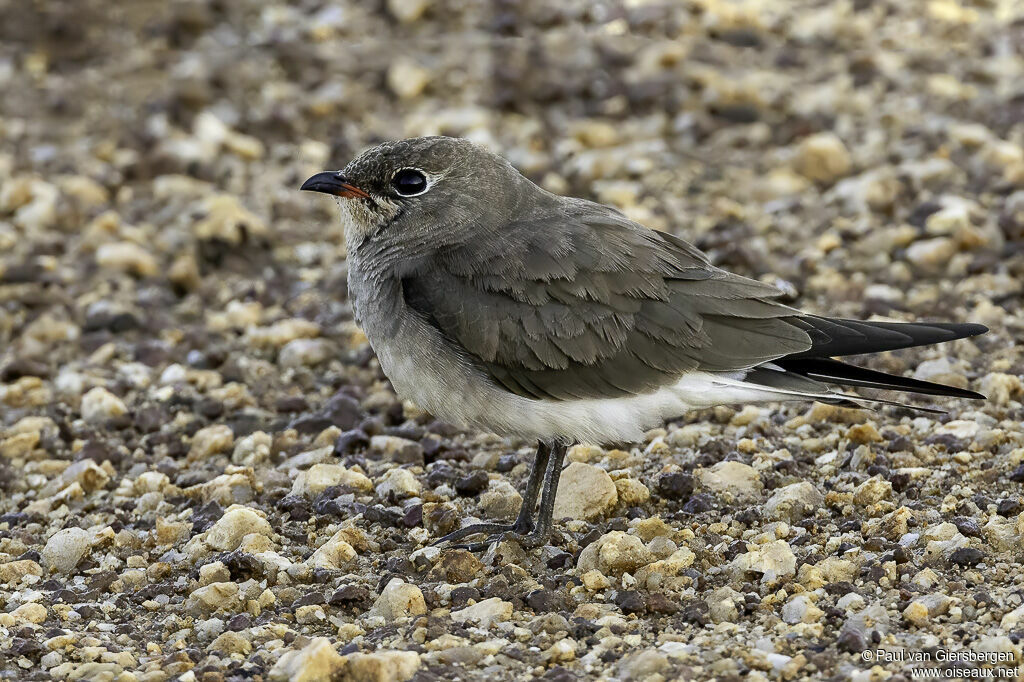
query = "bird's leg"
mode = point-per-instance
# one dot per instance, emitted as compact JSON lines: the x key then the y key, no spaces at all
{"x":524,"y":521}
{"x":539,"y":533}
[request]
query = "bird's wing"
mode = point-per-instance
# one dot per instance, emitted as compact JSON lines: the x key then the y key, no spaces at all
{"x":580,"y":302}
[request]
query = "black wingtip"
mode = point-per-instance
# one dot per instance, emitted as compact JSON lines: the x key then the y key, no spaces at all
{"x":974,"y":329}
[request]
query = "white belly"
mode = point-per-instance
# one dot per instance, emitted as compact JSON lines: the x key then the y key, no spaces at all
{"x":423,"y":369}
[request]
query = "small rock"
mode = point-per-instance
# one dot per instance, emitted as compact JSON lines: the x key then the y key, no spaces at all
{"x":916,"y":613}
{"x":127,"y":257}
{"x":722,"y":605}
{"x":731,"y":480}
{"x":99,"y":405}
{"x":237,"y":522}
{"x":398,"y":482}
{"x":967,"y":556}
{"x":800,"y":609}
{"x":484,"y":613}
{"x":211,"y":440}
{"x":30,"y":613}
{"x":399,"y":600}
{"x":407,"y":11}
{"x":406,"y":78}
{"x":794,"y":502}
{"x":643,"y":665}
{"x":397,"y":449}
{"x":872,"y":491}
{"x":252,"y":449}
{"x":773,"y":561}
{"x":305,"y":353}
{"x":65,"y":549}
{"x":931,"y":253}
{"x":319,"y":477}
{"x":380,"y":666}
{"x":823,"y":158}
{"x":615,"y":553}
{"x":584,"y":492}
{"x":501,"y":501}
{"x":227,"y":221}
{"x":676,"y":485}
{"x":12,"y":572}
{"x":334,"y":553}
{"x":231,"y":643}
{"x":631,"y":492}
{"x":213,"y":597}
{"x":315,"y":662}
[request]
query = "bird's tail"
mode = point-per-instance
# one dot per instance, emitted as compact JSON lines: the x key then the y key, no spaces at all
{"x":808,"y":374}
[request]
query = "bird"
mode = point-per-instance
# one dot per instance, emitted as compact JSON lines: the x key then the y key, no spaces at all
{"x":496,"y":305}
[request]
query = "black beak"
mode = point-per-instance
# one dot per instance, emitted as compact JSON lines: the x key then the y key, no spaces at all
{"x":333,"y":182}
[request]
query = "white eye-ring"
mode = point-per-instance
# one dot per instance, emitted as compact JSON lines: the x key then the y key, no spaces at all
{"x":409,"y":182}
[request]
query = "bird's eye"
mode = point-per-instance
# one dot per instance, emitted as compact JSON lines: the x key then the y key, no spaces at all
{"x":409,"y":182}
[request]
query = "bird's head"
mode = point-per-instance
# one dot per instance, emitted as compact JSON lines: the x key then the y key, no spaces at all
{"x":422,"y":193}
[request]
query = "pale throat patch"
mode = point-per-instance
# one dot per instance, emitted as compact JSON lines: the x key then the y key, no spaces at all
{"x":360,"y":221}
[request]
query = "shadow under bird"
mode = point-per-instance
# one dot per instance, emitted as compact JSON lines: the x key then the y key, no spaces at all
{"x":496,"y":305}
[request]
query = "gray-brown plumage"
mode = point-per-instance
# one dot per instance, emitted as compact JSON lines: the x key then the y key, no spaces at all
{"x":497,"y":305}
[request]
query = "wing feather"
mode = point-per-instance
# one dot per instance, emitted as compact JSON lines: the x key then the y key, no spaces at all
{"x":577,"y":302}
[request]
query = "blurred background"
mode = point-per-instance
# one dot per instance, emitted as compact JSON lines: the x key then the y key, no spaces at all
{"x":859,"y":153}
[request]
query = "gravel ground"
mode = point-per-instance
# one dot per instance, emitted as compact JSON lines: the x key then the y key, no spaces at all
{"x":205,"y":476}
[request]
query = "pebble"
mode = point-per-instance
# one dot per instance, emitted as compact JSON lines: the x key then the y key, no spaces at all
{"x":66,"y":548}
{"x":319,"y":477}
{"x":12,"y":572}
{"x":731,"y":480}
{"x":484,"y":613}
{"x":211,"y":440}
{"x":305,"y":353}
{"x":801,"y":609}
{"x":127,"y":257}
{"x":212,"y":598}
{"x":723,"y":605}
{"x":237,"y":522}
{"x":584,"y":492}
{"x":30,"y":613}
{"x":397,"y":449}
{"x":774,"y":561}
{"x":823,"y":158}
{"x":643,"y":665}
{"x":407,"y":79}
{"x":872,"y":491}
{"x":931,"y":254}
{"x":228,"y":221}
{"x":380,"y":666}
{"x":408,"y":11}
{"x":334,"y":553}
{"x":794,"y":502}
{"x":501,"y":500}
{"x":399,"y":600}
{"x":316,"y":661}
{"x":615,"y":553}
{"x":99,"y":405}
{"x":231,"y":643}
{"x":631,"y":492}
{"x":252,"y":449}
{"x":399,"y":483}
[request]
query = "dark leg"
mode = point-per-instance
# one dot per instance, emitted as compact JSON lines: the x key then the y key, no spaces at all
{"x":523,"y":530}
{"x":524,"y":521}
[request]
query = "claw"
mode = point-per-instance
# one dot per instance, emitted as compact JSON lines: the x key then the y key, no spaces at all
{"x":525,"y":540}
{"x":490,"y":529}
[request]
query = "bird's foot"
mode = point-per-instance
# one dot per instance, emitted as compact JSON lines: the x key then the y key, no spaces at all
{"x":530,"y":540}
{"x":520,"y":531}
